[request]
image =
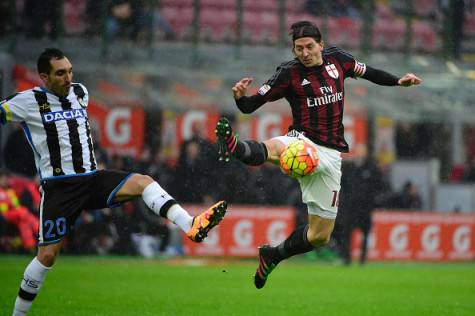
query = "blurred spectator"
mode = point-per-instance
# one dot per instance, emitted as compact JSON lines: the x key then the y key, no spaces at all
{"x":454,"y":14}
{"x":361,"y":185}
{"x":41,"y":17}
{"x":163,"y":25}
{"x":269,"y":176}
{"x":161,"y":169}
{"x":406,"y":140}
{"x":344,"y":8}
{"x":152,"y":236}
{"x":15,"y":214}
{"x":337,"y":8}
{"x":126,"y":17}
{"x":196,"y":168}
{"x":97,"y":233}
{"x":93,"y":16}
{"x":469,"y":172}
{"x":192,"y":175}
{"x":4,"y":16}
{"x":409,"y":198}
{"x":425,"y":140}
{"x":457,"y":173}
{"x":316,"y":7}
{"x":18,"y":154}
{"x":27,"y":191}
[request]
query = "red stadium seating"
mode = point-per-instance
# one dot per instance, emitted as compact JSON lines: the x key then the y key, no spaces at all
{"x":217,"y":24}
{"x":426,"y":8}
{"x":295,"y":6}
{"x":469,"y":24}
{"x":424,"y":37}
{"x":176,"y":3}
{"x":261,"y":23}
{"x":74,"y":12}
{"x":260,"y":6}
{"x":389,"y":34}
{"x":218,"y":4}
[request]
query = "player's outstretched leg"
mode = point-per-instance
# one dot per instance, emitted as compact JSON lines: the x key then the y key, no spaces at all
{"x":227,"y":139}
{"x":204,"y":222}
{"x":266,"y":265}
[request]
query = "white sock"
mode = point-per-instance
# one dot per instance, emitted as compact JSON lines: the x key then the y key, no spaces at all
{"x":21,"y":306}
{"x":180,"y":217}
{"x":161,"y":203}
{"x":33,"y":278}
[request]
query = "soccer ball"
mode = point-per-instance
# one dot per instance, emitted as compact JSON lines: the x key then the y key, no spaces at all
{"x":299,"y":159}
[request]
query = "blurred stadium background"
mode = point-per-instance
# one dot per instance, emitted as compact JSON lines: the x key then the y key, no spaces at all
{"x":160,"y":73}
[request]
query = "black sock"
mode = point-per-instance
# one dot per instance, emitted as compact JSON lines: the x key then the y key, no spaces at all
{"x":295,"y":244}
{"x":251,"y":152}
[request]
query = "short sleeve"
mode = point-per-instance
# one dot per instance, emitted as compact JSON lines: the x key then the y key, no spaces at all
{"x":276,"y":87}
{"x":82,"y":94}
{"x":14,"y":108}
{"x":86,"y":94}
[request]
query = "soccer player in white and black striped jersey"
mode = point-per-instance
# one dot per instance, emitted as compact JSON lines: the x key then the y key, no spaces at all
{"x":313,"y":84}
{"x":55,"y":121}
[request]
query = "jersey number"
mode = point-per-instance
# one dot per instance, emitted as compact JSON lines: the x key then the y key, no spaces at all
{"x":60,"y":226}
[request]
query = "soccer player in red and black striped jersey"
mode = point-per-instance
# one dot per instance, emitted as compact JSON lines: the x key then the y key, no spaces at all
{"x":313,"y":84}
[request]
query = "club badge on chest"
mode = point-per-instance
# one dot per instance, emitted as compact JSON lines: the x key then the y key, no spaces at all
{"x":332,"y":71}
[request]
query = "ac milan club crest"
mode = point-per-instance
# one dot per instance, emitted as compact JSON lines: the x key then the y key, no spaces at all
{"x":332,"y":71}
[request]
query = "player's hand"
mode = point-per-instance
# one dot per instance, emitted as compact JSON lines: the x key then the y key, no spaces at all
{"x":240,"y":88}
{"x":409,"y":79}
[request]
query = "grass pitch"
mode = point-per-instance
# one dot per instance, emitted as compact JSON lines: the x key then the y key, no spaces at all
{"x":134,"y":286}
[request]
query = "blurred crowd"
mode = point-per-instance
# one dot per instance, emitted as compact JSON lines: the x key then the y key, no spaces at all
{"x":197,"y":177}
{"x":142,"y":21}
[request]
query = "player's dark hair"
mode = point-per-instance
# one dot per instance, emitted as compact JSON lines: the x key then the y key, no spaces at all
{"x":43,"y":64}
{"x":305,"y":29}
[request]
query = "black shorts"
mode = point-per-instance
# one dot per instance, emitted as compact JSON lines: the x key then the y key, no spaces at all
{"x":63,"y":200}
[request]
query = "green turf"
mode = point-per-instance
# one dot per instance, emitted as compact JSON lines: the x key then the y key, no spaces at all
{"x":133,"y":286}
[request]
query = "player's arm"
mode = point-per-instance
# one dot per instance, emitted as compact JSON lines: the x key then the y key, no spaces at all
{"x":3,"y":113}
{"x":272,"y":90}
{"x":384,"y":78}
{"x":13,"y":108}
{"x":246,"y":104}
{"x":354,"y":68}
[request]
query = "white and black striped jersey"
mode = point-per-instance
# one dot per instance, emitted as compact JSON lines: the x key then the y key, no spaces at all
{"x":57,"y":129}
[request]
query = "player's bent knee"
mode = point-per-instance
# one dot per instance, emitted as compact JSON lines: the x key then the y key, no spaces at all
{"x":140,"y":181}
{"x":47,"y":257}
{"x":318,"y":239}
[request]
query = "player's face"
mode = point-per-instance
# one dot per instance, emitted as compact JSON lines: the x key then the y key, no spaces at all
{"x":59,"y":78}
{"x":308,"y":51}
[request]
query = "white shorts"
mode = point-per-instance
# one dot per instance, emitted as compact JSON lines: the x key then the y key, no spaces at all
{"x":320,"y":190}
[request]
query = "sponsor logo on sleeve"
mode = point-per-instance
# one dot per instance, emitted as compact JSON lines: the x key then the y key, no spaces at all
{"x":264,"y":89}
{"x":360,"y":69}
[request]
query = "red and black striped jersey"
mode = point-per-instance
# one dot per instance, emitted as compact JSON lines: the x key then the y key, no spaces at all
{"x":316,"y":95}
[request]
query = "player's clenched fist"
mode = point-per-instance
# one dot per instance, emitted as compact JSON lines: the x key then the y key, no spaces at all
{"x":409,"y":79}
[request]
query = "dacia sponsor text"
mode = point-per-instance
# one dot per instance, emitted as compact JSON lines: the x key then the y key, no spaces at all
{"x":65,"y":115}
